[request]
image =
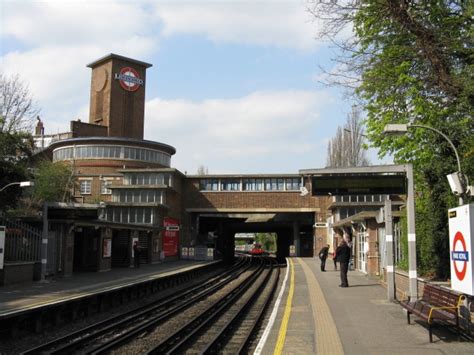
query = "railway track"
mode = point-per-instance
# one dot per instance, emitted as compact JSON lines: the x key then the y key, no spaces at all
{"x":226,"y":322}
{"x":231,"y":328}
{"x":112,"y":331}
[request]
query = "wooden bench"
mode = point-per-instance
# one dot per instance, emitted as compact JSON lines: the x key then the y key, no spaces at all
{"x":438,"y":305}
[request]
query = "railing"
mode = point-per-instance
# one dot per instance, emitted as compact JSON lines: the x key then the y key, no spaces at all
{"x":22,"y":242}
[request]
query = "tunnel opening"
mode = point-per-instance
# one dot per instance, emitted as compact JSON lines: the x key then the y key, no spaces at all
{"x":293,"y":231}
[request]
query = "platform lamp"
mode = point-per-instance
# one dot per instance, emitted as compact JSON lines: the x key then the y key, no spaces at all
{"x":457,"y":181}
{"x":21,"y":183}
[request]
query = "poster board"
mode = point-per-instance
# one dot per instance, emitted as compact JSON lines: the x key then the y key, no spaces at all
{"x":170,"y":236}
{"x":107,"y":248}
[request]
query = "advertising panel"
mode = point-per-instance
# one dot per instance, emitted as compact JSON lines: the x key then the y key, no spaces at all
{"x":461,"y":241}
{"x":107,"y":248}
{"x":170,"y":236}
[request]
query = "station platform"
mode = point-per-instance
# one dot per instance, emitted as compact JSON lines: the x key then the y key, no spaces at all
{"x":316,"y":316}
{"x":18,"y":297}
{"x":312,"y":314}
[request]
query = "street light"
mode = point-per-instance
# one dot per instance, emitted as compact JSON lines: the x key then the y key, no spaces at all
{"x":21,"y":183}
{"x":453,"y":179}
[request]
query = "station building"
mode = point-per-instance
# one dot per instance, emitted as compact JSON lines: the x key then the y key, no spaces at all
{"x":126,"y":190}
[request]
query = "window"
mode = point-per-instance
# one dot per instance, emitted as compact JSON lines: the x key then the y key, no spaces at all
{"x":104,"y":187}
{"x":274,"y":185}
{"x":230,"y":185}
{"x":253,"y":185}
{"x":209,"y":185}
{"x":292,"y":184}
{"x":85,"y":187}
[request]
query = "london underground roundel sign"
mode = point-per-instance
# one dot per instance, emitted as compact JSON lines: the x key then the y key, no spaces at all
{"x":460,"y":256}
{"x":129,"y":79}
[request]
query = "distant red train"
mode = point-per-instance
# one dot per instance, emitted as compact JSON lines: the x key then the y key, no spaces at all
{"x":257,"y":250}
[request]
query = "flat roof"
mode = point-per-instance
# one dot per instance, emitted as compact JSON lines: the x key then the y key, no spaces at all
{"x":357,"y":170}
{"x":218,"y":176}
{"x":361,"y":216}
{"x":114,"y":140}
{"x":120,"y":57}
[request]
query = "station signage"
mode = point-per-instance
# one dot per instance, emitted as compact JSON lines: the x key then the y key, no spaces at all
{"x":461,"y":242}
{"x":129,"y":79}
{"x":170,"y":236}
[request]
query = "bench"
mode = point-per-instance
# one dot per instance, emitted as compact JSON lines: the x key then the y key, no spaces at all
{"x":438,"y":305}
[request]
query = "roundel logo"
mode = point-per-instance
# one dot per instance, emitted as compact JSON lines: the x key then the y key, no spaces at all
{"x":460,"y":256}
{"x":129,"y":79}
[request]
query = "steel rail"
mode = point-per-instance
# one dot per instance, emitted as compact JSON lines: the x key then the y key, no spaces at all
{"x":76,"y":339}
{"x":215,"y":346}
{"x":178,"y":340}
{"x":156,"y":320}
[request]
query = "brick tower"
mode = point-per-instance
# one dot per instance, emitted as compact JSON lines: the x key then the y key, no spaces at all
{"x":118,"y":95}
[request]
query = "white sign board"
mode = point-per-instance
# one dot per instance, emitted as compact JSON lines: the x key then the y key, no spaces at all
{"x":461,"y":241}
{"x":292,"y":250}
{"x":2,"y":246}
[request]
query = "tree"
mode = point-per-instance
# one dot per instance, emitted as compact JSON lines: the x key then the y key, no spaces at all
{"x":17,"y":108}
{"x":15,"y":151}
{"x":411,"y":62}
{"x":53,"y":182}
{"x":17,"y":113}
{"x":267,"y":240}
{"x":346,"y":148}
{"x":202,"y":170}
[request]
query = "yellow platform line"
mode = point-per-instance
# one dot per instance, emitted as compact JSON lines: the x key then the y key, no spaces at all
{"x":325,"y":332}
{"x":286,"y":316}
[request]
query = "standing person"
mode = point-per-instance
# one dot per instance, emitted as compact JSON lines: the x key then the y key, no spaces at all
{"x":343,"y":253}
{"x":334,"y":258}
{"x":136,"y":255}
{"x":323,"y":255}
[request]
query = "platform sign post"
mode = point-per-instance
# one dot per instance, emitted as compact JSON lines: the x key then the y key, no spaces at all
{"x":2,"y":246}
{"x":461,"y":242}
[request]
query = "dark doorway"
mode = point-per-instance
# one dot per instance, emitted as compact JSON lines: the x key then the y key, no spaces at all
{"x":121,"y":248}
{"x":307,"y":244}
{"x":86,"y":250}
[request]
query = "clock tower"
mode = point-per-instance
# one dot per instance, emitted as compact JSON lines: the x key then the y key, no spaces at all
{"x":117,"y":98}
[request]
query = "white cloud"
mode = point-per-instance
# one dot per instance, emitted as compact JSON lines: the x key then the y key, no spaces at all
{"x":59,"y":38}
{"x":240,"y":134}
{"x":107,"y":22}
{"x":267,"y":23}
{"x":84,"y":23}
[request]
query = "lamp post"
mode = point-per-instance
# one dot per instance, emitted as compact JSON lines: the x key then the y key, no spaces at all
{"x":21,"y":183}
{"x":400,"y":129}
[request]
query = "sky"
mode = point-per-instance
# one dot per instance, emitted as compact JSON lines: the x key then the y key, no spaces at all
{"x":233,"y":87}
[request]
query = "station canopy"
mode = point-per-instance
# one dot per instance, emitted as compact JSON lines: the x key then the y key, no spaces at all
{"x":369,"y":180}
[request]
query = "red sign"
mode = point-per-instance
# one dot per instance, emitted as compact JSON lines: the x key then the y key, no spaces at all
{"x":170,"y":236}
{"x":129,"y":79}
{"x":459,"y":255}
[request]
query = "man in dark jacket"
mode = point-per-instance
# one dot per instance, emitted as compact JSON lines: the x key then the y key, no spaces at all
{"x":343,"y":253}
{"x":323,"y":255}
{"x":136,"y":254}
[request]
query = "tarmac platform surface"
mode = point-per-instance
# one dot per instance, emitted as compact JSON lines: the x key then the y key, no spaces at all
{"x":22,"y":296}
{"x":313,"y":315}
{"x":327,"y":319}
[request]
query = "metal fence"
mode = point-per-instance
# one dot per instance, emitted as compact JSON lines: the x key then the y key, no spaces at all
{"x":22,"y":242}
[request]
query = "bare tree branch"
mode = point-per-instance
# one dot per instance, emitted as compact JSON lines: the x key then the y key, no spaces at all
{"x":17,"y":108}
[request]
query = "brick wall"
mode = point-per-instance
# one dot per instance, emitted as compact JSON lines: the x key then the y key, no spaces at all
{"x":81,"y":129}
{"x":373,"y":257}
{"x":112,"y":106}
{"x":95,"y":169}
{"x":262,"y":200}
